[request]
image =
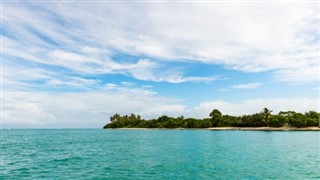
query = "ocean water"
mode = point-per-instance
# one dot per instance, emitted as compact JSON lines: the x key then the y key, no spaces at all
{"x":159,"y":154}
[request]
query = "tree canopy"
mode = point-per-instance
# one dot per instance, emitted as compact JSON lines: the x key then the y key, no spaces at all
{"x":217,"y":119}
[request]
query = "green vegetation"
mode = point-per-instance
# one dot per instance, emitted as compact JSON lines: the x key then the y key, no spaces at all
{"x":217,"y":119}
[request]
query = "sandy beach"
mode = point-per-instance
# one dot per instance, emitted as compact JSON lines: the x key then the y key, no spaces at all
{"x":267,"y":128}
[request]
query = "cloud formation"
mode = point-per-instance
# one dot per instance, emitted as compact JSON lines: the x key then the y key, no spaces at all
{"x":248,"y":37}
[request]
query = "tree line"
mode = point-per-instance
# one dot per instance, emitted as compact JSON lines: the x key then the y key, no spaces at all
{"x":217,"y":119}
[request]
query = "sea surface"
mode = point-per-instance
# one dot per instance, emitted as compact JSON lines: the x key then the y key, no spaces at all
{"x":158,"y":154}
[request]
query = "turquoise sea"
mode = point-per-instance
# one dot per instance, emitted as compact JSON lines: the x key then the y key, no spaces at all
{"x":158,"y":154}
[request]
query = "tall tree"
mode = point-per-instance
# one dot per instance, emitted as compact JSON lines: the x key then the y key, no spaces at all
{"x":266,"y":115}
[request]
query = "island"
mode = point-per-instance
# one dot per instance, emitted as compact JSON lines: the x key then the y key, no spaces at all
{"x":264,"y":120}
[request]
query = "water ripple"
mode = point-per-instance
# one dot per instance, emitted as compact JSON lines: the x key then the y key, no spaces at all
{"x":159,"y":154}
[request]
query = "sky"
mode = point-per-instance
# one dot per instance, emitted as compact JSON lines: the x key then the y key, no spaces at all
{"x":68,"y":64}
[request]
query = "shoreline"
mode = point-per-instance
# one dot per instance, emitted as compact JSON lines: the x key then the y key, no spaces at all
{"x":267,"y":128}
{"x":232,"y":129}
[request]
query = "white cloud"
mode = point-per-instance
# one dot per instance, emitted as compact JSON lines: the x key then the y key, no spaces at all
{"x":73,"y":82}
{"x":191,"y":79}
{"x":246,"y":86}
{"x":148,"y":70}
{"x":29,"y":77}
{"x":249,"y":37}
{"x":83,"y":109}
{"x":299,"y":76}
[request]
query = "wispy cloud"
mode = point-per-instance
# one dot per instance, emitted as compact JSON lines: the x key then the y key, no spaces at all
{"x":281,"y":37}
{"x":246,"y":86}
{"x":72,"y":82}
{"x":192,"y":79}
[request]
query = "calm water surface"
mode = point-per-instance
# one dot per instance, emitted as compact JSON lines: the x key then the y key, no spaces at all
{"x":159,"y":154}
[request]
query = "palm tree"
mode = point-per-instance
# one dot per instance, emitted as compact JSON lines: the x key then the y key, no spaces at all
{"x":266,"y":114}
{"x":115,"y":117}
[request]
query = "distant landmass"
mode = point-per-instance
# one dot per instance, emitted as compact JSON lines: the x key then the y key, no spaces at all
{"x":216,"y":120}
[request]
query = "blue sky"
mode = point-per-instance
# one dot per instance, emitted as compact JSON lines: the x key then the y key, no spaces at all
{"x":68,"y":64}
